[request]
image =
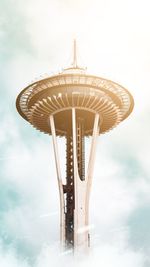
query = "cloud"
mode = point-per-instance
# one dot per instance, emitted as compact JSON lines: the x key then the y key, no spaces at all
{"x":35,"y":180}
{"x":113,"y":38}
{"x":9,"y":258}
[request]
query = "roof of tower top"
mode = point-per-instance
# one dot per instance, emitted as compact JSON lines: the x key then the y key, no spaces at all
{"x":74,"y":68}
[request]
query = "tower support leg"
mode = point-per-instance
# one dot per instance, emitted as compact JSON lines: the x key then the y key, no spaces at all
{"x":59,"y":179}
{"x":82,"y":187}
{"x":89,"y":175}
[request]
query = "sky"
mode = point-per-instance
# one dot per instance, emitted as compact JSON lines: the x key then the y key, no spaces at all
{"x":113,"y":40}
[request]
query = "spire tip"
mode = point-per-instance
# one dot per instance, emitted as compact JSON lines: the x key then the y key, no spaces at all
{"x":74,"y":54}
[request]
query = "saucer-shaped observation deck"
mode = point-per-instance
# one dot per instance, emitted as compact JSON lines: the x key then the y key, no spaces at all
{"x":74,"y":88}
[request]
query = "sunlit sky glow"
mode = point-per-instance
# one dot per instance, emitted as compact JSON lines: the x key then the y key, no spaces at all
{"x":113,"y":39}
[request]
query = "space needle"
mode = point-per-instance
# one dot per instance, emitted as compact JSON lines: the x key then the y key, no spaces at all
{"x":74,"y":105}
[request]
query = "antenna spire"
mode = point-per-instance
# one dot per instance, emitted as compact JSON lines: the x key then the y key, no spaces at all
{"x":74,"y":54}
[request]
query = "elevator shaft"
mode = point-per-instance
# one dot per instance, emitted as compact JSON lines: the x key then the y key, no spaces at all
{"x":69,"y":188}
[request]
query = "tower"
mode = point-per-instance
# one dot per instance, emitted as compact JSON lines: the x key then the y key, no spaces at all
{"x":74,"y":105}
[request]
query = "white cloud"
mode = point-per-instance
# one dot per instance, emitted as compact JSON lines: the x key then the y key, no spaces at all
{"x":9,"y":258}
{"x":99,"y":256}
{"x":104,"y":255}
{"x":113,"y":38}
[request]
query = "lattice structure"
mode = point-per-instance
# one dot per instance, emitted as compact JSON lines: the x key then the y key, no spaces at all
{"x":80,"y":149}
{"x":70,"y":204}
{"x":74,"y":105}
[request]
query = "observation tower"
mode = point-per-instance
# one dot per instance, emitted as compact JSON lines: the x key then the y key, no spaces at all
{"x":74,"y":105}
